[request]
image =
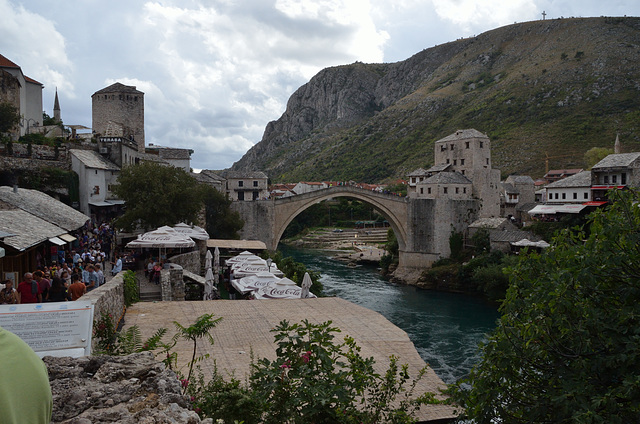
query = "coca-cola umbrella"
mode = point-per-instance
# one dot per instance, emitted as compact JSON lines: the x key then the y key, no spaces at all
{"x":283,"y":289}
{"x":254,"y":282}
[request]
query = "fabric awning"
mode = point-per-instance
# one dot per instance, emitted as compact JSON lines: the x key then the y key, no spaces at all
{"x":100,"y":204}
{"x":163,"y":237}
{"x":68,"y":238}
{"x":554,"y":209}
{"x":543,"y":210}
{"x":237,"y":244}
{"x":594,"y":203}
{"x":56,"y":240}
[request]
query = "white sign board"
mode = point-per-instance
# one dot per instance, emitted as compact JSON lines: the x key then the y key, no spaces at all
{"x":51,"y":329}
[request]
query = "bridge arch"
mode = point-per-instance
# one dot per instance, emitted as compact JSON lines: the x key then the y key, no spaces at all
{"x":393,"y":208}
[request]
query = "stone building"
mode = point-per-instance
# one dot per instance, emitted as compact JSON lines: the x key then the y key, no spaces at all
{"x":615,"y":171}
{"x":465,"y":155}
{"x":96,"y":176}
{"x":458,"y":189}
{"x":247,"y":186}
{"x":30,"y":95}
{"x":118,"y":111}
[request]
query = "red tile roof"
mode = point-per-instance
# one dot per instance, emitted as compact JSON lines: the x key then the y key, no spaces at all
{"x":6,"y":63}
{"x":26,"y":78}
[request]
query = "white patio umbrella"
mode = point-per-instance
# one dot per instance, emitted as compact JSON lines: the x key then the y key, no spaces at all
{"x":208,"y":277}
{"x":254,"y":282}
{"x":193,"y":231}
{"x":216,"y":266}
{"x":306,"y":285}
{"x":241,"y":257}
{"x":283,"y":289}
{"x":161,"y":238}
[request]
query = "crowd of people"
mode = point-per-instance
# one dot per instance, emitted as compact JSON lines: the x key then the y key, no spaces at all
{"x":75,"y":273}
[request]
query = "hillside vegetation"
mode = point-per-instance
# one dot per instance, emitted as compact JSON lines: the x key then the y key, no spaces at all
{"x":555,"y":87}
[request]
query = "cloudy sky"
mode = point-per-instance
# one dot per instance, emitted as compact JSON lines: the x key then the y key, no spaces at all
{"x":215,"y":72}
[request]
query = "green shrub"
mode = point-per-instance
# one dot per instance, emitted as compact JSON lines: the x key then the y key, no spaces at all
{"x":131,"y":294}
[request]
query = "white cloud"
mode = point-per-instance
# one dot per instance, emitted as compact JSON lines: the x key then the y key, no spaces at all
{"x":32,"y":41}
{"x":470,"y":14}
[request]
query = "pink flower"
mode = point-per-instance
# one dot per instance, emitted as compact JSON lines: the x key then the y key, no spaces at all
{"x":306,"y":356}
{"x":286,"y":365}
{"x":184,"y":382}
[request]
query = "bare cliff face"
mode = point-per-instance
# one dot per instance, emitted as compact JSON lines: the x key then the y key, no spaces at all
{"x":545,"y":88}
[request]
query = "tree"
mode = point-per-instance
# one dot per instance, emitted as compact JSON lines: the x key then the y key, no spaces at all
{"x":157,"y":195}
{"x":222,"y":222}
{"x":595,"y":155}
{"x":9,"y":117}
{"x":567,"y":346}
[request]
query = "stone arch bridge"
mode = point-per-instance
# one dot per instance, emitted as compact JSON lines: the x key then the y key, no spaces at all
{"x":422,"y":226}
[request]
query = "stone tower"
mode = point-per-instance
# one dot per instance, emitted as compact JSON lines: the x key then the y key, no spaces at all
{"x":118,"y":110}
{"x":56,"y":108}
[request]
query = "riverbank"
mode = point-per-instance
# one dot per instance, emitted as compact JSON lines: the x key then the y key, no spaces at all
{"x":353,"y":246}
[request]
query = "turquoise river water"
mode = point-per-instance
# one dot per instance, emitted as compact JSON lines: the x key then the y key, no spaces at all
{"x":444,"y":327}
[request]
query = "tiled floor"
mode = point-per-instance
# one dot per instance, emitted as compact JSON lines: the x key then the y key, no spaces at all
{"x":245,"y":329}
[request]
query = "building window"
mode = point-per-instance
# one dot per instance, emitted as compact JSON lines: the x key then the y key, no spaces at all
{"x":564,"y":196}
{"x":421,"y":190}
{"x":556,"y":196}
{"x":413,"y":180}
{"x":240,"y":183}
{"x":255,"y":195}
{"x":481,"y":144}
{"x":447,"y":160}
{"x":457,"y":190}
{"x":462,"y":171}
{"x":444,"y":190}
{"x":614,"y":179}
{"x":586,"y":195}
{"x":241,"y":195}
{"x":575,"y":196}
{"x":455,"y":162}
{"x":487,"y":161}
{"x":452,"y":146}
{"x":623,"y":178}
{"x":461,"y":161}
{"x":466,"y":144}
{"x":606,"y":179}
{"x":96,"y":172}
{"x":464,"y":190}
{"x":429,"y":190}
{"x":255,"y":184}
{"x":443,"y":147}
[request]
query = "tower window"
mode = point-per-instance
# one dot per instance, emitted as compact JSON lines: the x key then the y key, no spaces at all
{"x":240,"y":183}
{"x":444,"y":190}
{"x":481,"y":144}
{"x":461,"y":161}
{"x":466,"y":144}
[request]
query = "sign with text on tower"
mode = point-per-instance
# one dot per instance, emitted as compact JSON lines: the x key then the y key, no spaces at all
{"x":51,"y":329}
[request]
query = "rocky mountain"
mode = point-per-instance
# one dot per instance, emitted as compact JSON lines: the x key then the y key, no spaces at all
{"x":542,"y":89}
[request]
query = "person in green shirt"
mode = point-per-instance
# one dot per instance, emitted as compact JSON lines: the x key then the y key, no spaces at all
{"x":25,"y":393}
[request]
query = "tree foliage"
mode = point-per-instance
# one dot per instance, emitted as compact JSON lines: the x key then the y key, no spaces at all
{"x":595,"y":155}
{"x":222,"y":222}
{"x":567,"y":346}
{"x":157,"y":195}
{"x":9,"y":117}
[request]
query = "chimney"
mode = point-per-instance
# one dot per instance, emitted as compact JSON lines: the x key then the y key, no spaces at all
{"x":15,"y":188}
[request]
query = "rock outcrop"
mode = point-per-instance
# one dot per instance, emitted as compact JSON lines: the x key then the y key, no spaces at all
{"x":129,"y":389}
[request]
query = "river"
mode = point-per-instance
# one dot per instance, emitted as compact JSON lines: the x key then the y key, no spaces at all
{"x":444,"y":327}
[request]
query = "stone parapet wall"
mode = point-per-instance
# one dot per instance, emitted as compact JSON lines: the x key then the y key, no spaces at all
{"x":8,"y":162}
{"x":108,"y":299}
{"x":189,"y":261}
{"x":38,"y":151}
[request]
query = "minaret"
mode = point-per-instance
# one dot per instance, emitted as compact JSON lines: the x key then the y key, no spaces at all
{"x":56,"y":108}
{"x":617,"y":148}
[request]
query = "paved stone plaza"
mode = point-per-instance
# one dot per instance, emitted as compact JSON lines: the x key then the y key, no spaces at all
{"x":246,"y":326}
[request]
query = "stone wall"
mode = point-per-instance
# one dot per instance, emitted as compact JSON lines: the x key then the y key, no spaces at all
{"x":189,"y":261}
{"x":42,"y":152}
{"x":172,"y":284}
{"x":108,"y":299}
